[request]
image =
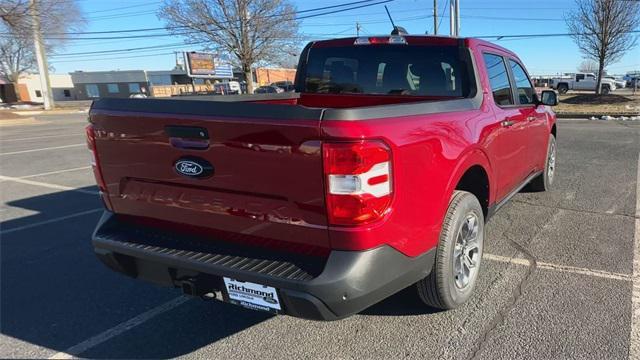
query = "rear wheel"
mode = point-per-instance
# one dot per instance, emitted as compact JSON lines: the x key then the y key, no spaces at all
{"x":544,"y":181}
{"x":563,"y":88}
{"x":606,"y":90}
{"x":458,"y":255}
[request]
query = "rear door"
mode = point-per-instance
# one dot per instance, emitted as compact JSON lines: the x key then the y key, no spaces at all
{"x":589,"y":82}
{"x":241,"y":171}
{"x":511,"y":137}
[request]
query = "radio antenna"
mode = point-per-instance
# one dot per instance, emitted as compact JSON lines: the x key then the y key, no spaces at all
{"x":397,"y":30}
{"x":390,"y":18}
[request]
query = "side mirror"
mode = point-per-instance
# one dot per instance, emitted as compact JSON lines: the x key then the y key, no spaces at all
{"x":549,"y":98}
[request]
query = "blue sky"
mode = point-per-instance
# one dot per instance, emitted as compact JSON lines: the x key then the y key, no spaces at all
{"x":478,"y":18}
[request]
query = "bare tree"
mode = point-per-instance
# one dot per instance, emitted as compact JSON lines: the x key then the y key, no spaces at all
{"x":13,"y":13}
{"x":602,"y":29}
{"x":588,"y":66}
{"x":254,"y":31}
{"x":16,"y":58}
{"x":57,"y":19}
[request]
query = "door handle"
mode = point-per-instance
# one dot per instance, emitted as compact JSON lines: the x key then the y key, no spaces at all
{"x":531,"y":118}
{"x":188,"y":137}
{"x":507,"y":123}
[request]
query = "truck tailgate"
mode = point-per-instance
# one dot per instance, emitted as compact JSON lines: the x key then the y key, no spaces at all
{"x":265,"y":179}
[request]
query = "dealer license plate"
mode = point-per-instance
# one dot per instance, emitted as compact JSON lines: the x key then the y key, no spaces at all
{"x":252,"y":296}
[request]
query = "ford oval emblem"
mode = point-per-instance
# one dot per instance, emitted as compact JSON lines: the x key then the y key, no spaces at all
{"x":193,"y":167}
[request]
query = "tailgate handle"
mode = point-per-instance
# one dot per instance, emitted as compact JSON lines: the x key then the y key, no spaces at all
{"x":187,"y":137}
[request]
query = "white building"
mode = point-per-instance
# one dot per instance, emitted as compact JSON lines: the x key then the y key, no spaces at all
{"x":61,"y":87}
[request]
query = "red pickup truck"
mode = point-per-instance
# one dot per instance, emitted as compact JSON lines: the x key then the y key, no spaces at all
{"x":378,"y":173}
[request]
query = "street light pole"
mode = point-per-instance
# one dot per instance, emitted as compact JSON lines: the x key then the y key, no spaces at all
{"x":452,"y":18}
{"x":457,"y":18}
{"x":41,"y":57}
{"x":435,"y":17}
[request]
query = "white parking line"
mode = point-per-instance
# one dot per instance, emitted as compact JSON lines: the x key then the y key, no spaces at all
{"x":45,"y":222}
{"x":561,"y":268}
{"x":41,"y":137}
{"x":55,"y":172}
{"x":78,"y":349}
{"x":46,"y":185}
{"x":634,"y":337}
{"x":43,"y":149}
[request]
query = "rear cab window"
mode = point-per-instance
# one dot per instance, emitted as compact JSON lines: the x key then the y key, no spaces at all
{"x":388,"y":69}
{"x":498,"y":79}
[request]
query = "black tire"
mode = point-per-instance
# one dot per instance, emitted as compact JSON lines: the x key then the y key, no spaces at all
{"x":605,"y":90}
{"x":563,"y":88}
{"x":544,"y":182}
{"x":440,"y":289}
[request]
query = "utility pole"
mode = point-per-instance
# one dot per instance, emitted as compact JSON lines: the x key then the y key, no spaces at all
{"x":41,"y":57}
{"x":244,"y":32}
{"x":435,"y":17}
{"x":358,"y":28}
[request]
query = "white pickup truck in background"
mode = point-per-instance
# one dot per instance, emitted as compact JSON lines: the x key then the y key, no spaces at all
{"x":581,"y":81}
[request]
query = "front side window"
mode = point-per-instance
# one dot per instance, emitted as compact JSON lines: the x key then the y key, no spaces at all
{"x":499,"y":79}
{"x":387,"y":70}
{"x":523,"y":85}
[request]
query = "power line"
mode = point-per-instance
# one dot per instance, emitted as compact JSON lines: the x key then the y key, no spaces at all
{"x":124,"y":7}
{"x":162,"y":46}
{"x":123,"y":15}
{"x":192,"y":32}
{"x":365,"y":3}
{"x":530,"y":36}
{"x":165,"y":46}
{"x":145,"y":36}
{"x":446,"y":5}
{"x":115,"y":58}
{"x":181,"y":26}
{"x":129,"y":49}
{"x":115,"y":16}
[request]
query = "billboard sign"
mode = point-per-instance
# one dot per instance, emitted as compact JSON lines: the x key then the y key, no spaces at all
{"x":205,"y":65}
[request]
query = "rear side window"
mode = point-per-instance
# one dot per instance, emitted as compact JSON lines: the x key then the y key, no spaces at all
{"x":387,"y":70}
{"x":523,"y":85}
{"x":499,"y":79}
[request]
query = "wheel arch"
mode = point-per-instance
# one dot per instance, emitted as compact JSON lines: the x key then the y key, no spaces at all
{"x":476,"y":181}
{"x":474,"y":174}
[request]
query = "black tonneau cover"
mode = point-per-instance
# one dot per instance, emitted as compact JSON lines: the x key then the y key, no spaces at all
{"x":232,"y":106}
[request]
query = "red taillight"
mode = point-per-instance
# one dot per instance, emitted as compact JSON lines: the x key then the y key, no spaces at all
{"x":95,"y":163}
{"x":358,"y":181}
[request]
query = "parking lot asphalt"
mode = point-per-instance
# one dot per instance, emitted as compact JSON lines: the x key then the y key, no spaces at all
{"x":557,"y":277}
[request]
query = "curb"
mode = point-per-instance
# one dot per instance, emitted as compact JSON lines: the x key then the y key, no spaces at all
{"x":50,"y":112}
{"x":590,"y":115}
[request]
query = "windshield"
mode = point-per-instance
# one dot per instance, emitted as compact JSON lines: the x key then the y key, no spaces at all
{"x":387,"y":69}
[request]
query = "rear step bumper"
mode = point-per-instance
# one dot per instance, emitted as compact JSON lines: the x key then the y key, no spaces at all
{"x":309,"y":287}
